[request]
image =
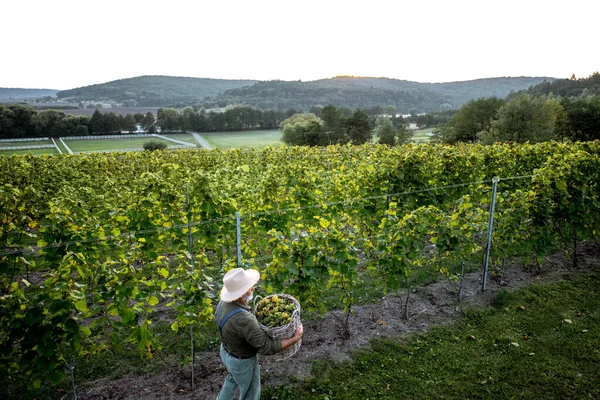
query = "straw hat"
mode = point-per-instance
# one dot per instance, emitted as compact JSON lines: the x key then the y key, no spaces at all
{"x":237,"y":282}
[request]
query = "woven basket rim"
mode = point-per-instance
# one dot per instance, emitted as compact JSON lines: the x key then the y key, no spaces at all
{"x":279,"y":329}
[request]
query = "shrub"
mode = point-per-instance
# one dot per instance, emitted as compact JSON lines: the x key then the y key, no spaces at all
{"x":154,"y":145}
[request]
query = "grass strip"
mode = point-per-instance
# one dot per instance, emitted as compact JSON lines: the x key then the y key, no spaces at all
{"x":542,"y":342}
{"x":258,"y":139}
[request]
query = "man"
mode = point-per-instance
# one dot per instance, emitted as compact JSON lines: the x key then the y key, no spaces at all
{"x":241,"y":336}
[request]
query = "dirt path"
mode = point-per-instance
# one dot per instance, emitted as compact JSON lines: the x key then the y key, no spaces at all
{"x":431,"y":305}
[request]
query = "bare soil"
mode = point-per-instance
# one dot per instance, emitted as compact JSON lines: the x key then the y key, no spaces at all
{"x":431,"y":305}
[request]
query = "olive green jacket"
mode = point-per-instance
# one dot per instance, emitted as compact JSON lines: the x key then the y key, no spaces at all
{"x":242,"y":336}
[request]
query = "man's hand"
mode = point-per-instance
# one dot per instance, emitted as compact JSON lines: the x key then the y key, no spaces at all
{"x":299,"y":331}
{"x":294,"y":339}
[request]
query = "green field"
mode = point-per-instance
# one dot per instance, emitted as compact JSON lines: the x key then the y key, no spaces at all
{"x":110,"y":144}
{"x":31,"y":143}
{"x":246,"y":139}
{"x":30,"y":151}
{"x":184,"y":137}
{"x":421,"y":135}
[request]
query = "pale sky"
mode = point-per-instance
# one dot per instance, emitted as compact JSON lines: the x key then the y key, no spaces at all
{"x":63,"y":44}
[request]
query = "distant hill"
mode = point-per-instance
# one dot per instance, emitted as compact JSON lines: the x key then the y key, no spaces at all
{"x":22,"y":94}
{"x":359,"y":92}
{"x":155,"y":91}
{"x":569,"y":87}
{"x":342,"y":91}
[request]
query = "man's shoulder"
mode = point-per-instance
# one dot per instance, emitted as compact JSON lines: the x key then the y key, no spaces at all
{"x":238,"y":310}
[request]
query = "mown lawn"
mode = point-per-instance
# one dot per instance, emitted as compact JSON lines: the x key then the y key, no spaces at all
{"x":542,"y":342}
{"x":246,"y":139}
{"x":110,"y":144}
{"x":184,"y":137}
{"x":421,"y":135}
{"x":7,"y":153}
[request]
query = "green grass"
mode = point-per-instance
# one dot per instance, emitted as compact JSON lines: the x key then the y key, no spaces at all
{"x":184,"y":137}
{"x":30,"y":151}
{"x":30,"y":143}
{"x":110,"y":144}
{"x":421,"y":135}
{"x":524,"y":347}
{"x":246,"y":139}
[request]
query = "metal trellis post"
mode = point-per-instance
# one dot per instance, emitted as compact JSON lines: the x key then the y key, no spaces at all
{"x":72,"y":368}
{"x":489,"y":233}
{"x":190,"y":249}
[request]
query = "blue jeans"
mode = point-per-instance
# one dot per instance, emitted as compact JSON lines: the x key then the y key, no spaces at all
{"x":242,"y":374}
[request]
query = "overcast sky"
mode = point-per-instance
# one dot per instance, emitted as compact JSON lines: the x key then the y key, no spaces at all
{"x":63,"y":44}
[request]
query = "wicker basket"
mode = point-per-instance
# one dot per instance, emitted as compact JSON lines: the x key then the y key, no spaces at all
{"x":282,"y":332}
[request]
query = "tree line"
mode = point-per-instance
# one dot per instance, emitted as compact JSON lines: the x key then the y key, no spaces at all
{"x":22,"y":121}
{"x":564,"y":109}
{"x":524,"y":118}
{"x":330,"y":125}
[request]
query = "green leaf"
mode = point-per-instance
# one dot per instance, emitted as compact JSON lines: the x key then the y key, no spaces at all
{"x":81,"y":306}
{"x":152,"y":300}
{"x":128,"y":315}
{"x":86,"y":331}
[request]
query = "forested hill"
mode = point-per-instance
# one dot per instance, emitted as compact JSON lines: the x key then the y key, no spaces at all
{"x":343,"y":92}
{"x":569,"y":87}
{"x":155,"y":91}
{"x":21,"y":94}
{"x":365,"y":93}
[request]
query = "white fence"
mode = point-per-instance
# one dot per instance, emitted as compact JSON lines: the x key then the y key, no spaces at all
{"x":37,"y":139}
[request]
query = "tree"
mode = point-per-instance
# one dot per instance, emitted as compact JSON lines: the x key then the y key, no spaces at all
{"x":386,"y":133}
{"x":403,"y":135}
{"x":334,"y":125}
{"x":148,"y":123}
{"x":112,"y":123}
{"x":48,"y":123}
{"x":128,"y":123}
{"x":524,"y":119}
{"x":17,"y":121}
{"x":303,"y":130}
{"x":168,"y":120}
{"x":97,"y":125}
{"x":472,"y":118}
{"x":582,"y":118}
{"x":360,"y":129}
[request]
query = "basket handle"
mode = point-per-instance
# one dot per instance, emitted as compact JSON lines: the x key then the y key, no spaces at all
{"x":255,"y":300}
{"x":296,"y":312}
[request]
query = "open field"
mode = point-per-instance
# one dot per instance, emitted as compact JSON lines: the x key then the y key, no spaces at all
{"x":29,"y":143}
{"x":184,"y":137}
{"x":421,"y":135}
{"x":247,"y":139}
{"x":110,"y":144}
{"x":29,"y":151}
